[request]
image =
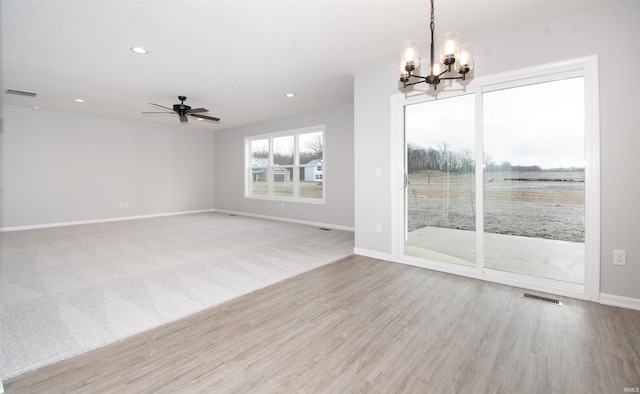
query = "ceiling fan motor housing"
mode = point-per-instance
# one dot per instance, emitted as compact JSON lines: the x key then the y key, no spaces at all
{"x":181,"y":108}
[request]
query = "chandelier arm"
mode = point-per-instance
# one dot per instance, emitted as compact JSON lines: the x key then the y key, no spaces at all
{"x":413,"y":83}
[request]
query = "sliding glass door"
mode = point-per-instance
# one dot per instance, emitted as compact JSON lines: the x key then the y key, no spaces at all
{"x":496,"y":180}
{"x":534,"y":180}
{"x":440,"y":167}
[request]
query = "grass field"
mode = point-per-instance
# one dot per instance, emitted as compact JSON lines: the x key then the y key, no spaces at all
{"x":548,"y":205}
{"x":285,"y":189}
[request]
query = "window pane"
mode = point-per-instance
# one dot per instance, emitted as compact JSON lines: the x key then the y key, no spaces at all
{"x":440,"y":165}
{"x":534,"y":180}
{"x":260,"y":150}
{"x":311,"y":147}
{"x":311,"y":178}
{"x":258,"y":183}
{"x":283,"y":150}
{"x":282,"y":181}
{"x":259,"y":167}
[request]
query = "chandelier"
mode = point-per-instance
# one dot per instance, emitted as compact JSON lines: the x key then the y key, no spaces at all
{"x":453,"y":58}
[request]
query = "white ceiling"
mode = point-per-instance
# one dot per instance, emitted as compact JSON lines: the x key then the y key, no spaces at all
{"x":236,"y":58}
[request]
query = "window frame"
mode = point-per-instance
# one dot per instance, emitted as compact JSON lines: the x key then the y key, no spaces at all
{"x":296,"y":168}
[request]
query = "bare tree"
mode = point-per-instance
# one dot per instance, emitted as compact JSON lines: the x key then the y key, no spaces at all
{"x":315,"y":146}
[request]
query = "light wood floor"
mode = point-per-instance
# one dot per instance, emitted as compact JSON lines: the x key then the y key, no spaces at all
{"x":365,"y":325}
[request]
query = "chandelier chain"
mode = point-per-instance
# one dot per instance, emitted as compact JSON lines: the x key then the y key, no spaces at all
{"x":432,"y":25}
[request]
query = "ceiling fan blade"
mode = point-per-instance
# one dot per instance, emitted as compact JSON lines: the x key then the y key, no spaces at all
{"x":206,"y":117}
{"x":162,"y":106}
{"x":197,"y":110}
{"x":183,"y":118}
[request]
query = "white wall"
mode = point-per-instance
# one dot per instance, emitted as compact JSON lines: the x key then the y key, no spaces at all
{"x":62,"y":167}
{"x":338,"y":159}
{"x":611,"y":33}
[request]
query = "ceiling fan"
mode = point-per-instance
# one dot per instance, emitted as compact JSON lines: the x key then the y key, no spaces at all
{"x":183,"y":111}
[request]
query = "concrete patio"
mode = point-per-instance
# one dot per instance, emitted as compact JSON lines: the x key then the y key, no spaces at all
{"x":542,"y":258}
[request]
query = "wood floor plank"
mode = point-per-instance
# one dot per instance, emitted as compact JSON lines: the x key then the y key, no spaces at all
{"x":365,"y":325}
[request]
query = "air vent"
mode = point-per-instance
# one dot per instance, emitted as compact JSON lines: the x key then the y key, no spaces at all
{"x":20,"y":92}
{"x":541,"y":299}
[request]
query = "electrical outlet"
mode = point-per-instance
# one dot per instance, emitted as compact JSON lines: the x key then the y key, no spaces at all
{"x":620,"y":257}
{"x":378,"y":227}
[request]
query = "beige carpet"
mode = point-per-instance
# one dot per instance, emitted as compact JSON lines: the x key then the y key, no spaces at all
{"x":67,"y":290}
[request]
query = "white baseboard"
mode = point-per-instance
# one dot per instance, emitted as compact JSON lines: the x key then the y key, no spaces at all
{"x":281,"y":219}
{"x":373,"y":254}
{"x":620,"y":301}
{"x":116,"y":219}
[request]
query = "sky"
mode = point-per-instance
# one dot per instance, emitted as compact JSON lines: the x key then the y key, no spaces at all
{"x":541,"y":124}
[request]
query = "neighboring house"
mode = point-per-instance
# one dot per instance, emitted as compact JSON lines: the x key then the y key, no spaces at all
{"x":260,"y":167}
{"x":313,"y":173}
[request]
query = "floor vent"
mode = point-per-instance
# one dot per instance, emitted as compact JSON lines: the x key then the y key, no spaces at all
{"x":325,"y":229}
{"x":20,"y":92}
{"x":542,"y":299}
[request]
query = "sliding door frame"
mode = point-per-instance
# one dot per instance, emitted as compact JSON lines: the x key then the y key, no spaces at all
{"x":586,"y":67}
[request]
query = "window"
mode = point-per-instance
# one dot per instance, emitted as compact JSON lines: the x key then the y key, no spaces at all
{"x":286,"y":166}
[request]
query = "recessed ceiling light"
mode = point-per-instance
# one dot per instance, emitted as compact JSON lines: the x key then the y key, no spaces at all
{"x":139,"y":50}
{"x":79,"y":100}
{"x":290,"y":95}
{"x":35,"y":107}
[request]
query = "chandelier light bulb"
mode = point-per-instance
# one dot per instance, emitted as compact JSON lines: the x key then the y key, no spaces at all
{"x":410,"y":55}
{"x":466,"y":58}
{"x":437,"y":69}
{"x":403,"y":74}
{"x":449,"y":47}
